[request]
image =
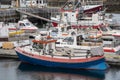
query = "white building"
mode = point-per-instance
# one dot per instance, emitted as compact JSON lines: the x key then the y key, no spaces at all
{"x":33,"y":3}
{"x":28,"y":3}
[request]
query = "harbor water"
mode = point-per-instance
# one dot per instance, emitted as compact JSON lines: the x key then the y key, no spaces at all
{"x":16,"y":70}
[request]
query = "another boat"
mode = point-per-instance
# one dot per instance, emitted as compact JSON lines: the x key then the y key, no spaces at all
{"x":98,"y":34}
{"x":88,"y":6}
{"x":14,"y":33}
{"x":74,"y":11}
{"x":43,"y":52}
{"x":24,"y":24}
{"x":111,"y":39}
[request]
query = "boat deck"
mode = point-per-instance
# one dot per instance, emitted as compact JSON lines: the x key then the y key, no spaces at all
{"x":57,"y":54}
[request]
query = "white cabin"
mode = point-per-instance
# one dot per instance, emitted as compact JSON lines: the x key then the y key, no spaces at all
{"x":23,"y":24}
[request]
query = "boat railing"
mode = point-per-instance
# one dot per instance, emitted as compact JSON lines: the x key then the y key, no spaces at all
{"x":97,"y":51}
{"x":91,"y":44}
{"x":70,"y":55}
{"x":77,"y":52}
{"x":59,"y":54}
{"x":114,"y":44}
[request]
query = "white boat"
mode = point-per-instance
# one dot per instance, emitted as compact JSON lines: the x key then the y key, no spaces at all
{"x":73,"y":12}
{"x":86,"y":5}
{"x":43,"y":52}
{"x":111,"y":39}
{"x":24,"y":24}
{"x":8,"y":38}
{"x":95,"y":20}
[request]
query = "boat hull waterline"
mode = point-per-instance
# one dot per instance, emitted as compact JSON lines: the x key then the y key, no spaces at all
{"x":96,"y":63}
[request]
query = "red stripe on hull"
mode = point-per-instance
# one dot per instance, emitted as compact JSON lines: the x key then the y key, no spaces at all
{"x":52,"y":59}
{"x":116,"y":35}
{"x":85,"y":11}
{"x":109,"y":50}
{"x":12,"y":29}
{"x":93,"y":9}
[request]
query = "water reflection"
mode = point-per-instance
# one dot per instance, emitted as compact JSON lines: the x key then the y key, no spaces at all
{"x":45,"y":73}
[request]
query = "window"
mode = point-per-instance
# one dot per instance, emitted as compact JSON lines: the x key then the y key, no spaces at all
{"x":22,"y":24}
{"x":103,"y":28}
{"x":56,"y":30}
{"x":107,"y":39}
{"x":28,"y":24}
{"x":68,"y":39}
{"x":109,"y":28}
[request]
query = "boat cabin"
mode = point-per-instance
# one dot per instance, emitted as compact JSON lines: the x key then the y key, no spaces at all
{"x":107,"y":31}
{"x":79,"y":40}
{"x":110,"y":41}
{"x":24,"y":24}
{"x":44,"y":45}
{"x":62,"y":30}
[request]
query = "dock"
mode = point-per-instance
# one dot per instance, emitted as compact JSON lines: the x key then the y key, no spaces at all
{"x":8,"y":53}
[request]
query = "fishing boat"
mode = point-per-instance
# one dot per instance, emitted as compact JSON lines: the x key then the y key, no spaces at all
{"x":74,"y":11}
{"x":88,"y":5}
{"x":111,"y":45}
{"x":43,"y":52}
{"x":111,"y":39}
{"x":97,"y":21}
{"x":102,"y":33}
{"x":23,"y":24}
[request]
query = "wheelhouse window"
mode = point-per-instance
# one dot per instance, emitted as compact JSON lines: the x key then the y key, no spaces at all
{"x":69,"y":27}
{"x":107,"y":39}
{"x":68,"y":39}
{"x":109,"y":28}
{"x":103,"y":29}
{"x":55,"y":30}
{"x":37,"y":46}
{"x":22,"y":24}
{"x":27,"y":24}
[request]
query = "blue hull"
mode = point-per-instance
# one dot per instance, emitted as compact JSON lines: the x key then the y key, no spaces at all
{"x":99,"y":64}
